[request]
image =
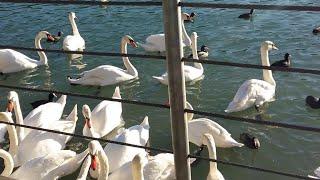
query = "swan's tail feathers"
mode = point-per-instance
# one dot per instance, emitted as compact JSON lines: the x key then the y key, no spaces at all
{"x":62,"y":100}
{"x":145,"y":122}
{"x":116,"y":93}
{"x":73,"y":116}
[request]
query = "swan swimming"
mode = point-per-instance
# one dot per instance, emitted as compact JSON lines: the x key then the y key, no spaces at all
{"x":13,"y":61}
{"x":191,"y":73}
{"x":156,"y":42}
{"x":106,"y":74}
{"x":255,"y":92}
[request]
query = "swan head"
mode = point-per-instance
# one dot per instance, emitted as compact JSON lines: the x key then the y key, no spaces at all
{"x":128,"y":39}
{"x":45,"y":34}
{"x":188,"y":17}
{"x":12,"y":98}
{"x":268,"y":45}
{"x":72,"y":15}
{"x":86,"y":112}
{"x":94,"y":148}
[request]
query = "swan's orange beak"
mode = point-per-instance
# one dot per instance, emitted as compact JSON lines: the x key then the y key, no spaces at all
{"x":10,"y":106}
{"x":50,"y":38}
{"x":93,"y":165}
{"x":88,"y":122}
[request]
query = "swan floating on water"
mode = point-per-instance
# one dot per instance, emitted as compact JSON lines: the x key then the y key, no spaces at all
{"x":255,"y":92}
{"x":106,"y":74}
{"x":74,"y":42}
{"x":105,"y":117}
{"x":13,"y":61}
{"x":156,"y":42}
{"x":191,"y":73}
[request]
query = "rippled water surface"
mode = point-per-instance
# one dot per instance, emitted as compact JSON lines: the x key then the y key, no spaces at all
{"x":229,"y":39}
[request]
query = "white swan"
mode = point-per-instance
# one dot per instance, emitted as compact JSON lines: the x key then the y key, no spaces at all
{"x":14,"y":61}
{"x":88,"y":164}
{"x":40,"y":143}
{"x":47,"y":167}
{"x":73,"y":42}
{"x":107,"y":74}
{"x":254,"y":91}
{"x":200,"y":126}
{"x":156,"y":42}
{"x":191,"y":73}
{"x":161,"y":166}
{"x":42,"y":116}
{"x":105,"y":117}
{"x":118,"y":154}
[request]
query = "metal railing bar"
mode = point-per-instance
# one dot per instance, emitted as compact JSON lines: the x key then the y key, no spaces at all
{"x":87,"y":96}
{"x":241,"y":119}
{"x":84,"y":52}
{"x":88,"y":137}
{"x":251,"y":167}
{"x":93,"y":3}
{"x":254,"y":66}
{"x":250,"y":6}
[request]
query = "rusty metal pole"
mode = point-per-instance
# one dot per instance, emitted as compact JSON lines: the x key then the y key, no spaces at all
{"x":176,"y":88}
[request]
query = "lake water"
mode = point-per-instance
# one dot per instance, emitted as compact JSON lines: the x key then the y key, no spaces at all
{"x":229,"y":39}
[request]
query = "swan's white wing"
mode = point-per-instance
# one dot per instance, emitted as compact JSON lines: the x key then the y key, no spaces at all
{"x":119,"y":155}
{"x":3,"y":130}
{"x":37,"y":168}
{"x":38,"y":144}
{"x":191,"y":73}
{"x":250,"y":92}
{"x":14,"y":61}
{"x":106,"y":116}
{"x":43,"y":115}
{"x":73,"y":43}
{"x":158,"y":41}
{"x":103,"y":75}
{"x":160,"y":167}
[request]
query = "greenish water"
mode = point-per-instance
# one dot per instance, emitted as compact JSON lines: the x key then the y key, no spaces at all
{"x":229,"y":39}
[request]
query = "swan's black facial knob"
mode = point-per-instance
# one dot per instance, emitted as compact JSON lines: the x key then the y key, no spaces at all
{"x":250,"y":141}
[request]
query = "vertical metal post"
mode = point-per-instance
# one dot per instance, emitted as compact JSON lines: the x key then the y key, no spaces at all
{"x":174,"y":53}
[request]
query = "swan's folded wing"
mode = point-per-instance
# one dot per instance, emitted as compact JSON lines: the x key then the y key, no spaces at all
{"x":37,"y":168}
{"x":156,"y":38}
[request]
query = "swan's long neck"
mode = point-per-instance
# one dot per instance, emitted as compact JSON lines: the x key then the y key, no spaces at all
{"x":104,"y":164}
{"x":75,"y":30}
{"x":137,"y":170}
{"x":267,"y":74}
{"x":19,"y":119}
{"x":13,"y":138}
{"x":212,"y":155}
{"x":42,"y":55}
{"x":189,"y":115}
{"x":185,"y":37}
{"x":195,"y":53}
{"x":8,"y":163}
{"x":130,"y":68}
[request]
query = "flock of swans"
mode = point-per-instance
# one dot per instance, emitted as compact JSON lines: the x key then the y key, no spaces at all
{"x":41,"y":155}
